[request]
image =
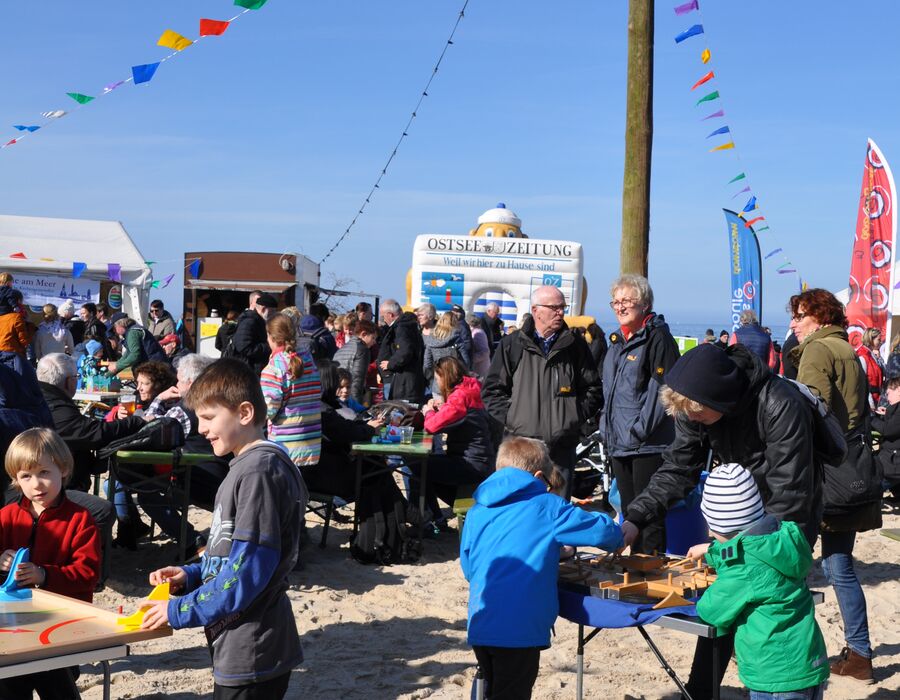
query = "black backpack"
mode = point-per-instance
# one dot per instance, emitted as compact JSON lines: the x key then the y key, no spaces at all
{"x":313,"y":343}
{"x":159,"y":435}
{"x":382,"y":537}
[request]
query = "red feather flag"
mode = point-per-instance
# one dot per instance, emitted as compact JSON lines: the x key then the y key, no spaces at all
{"x":705,"y":79}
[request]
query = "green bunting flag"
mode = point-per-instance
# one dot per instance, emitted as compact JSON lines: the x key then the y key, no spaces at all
{"x":250,"y":4}
{"x":79,"y":98}
{"x":709,"y":98}
{"x":155,"y":284}
{"x":739,"y":177}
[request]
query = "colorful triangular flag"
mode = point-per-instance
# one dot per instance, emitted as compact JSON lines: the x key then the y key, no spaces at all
{"x":250,"y":4}
{"x":720,"y":113}
{"x":78,"y":268}
{"x":113,"y":86}
{"x":168,"y":280}
{"x":174,"y":40}
{"x":10,"y":142}
{"x":720,"y":130}
{"x":155,"y":284}
{"x":769,"y":255}
{"x":737,"y":177}
{"x":213,"y":27}
{"x":195,"y":268}
{"x":149,"y":262}
{"x":753,"y":221}
{"x":764,"y":228}
{"x":20,"y":127}
{"x":746,"y":189}
{"x":708,"y":98}
{"x":144,"y":73}
{"x":750,"y":205}
{"x":79,"y":98}
{"x":18,"y":256}
{"x":54,"y":114}
{"x":705,"y":56}
{"x":114,"y":272}
{"x":705,"y":79}
{"x":724,"y":147}
{"x":688,"y":33}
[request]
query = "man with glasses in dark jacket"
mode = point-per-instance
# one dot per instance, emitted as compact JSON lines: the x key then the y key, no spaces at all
{"x":543,"y":382}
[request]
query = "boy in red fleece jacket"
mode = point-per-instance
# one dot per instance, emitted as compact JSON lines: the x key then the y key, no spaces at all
{"x":62,"y":538}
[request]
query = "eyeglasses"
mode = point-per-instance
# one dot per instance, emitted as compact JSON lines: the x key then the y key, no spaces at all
{"x":555,"y":308}
{"x":624,"y":303}
{"x":799,"y":317}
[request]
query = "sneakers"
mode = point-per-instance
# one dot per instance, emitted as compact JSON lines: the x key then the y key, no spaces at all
{"x":853,"y":665}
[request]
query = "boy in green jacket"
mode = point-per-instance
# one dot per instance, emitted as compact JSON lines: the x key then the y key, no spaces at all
{"x":760,"y":591}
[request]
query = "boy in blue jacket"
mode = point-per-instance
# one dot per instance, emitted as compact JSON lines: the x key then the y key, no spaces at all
{"x":510,"y":556}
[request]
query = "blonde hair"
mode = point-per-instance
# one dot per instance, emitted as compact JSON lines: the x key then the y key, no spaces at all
{"x":677,"y":404}
{"x":869,"y":336}
{"x":5,"y":278}
{"x":50,"y":312}
{"x":445,"y":326}
{"x":30,"y":446}
{"x":283,"y":332}
{"x":532,"y":456}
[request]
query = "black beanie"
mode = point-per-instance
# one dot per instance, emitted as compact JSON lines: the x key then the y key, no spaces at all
{"x":708,"y":376}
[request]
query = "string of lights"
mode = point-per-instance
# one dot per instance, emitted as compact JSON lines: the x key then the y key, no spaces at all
{"x":403,"y":135}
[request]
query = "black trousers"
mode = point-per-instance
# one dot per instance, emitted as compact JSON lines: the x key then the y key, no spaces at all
{"x":509,"y":673}
{"x":563,"y":456}
{"x":700,"y":682}
{"x":273,"y":689}
{"x":58,"y":684}
{"x":632,"y":476}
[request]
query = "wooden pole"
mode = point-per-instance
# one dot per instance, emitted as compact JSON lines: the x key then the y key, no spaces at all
{"x":638,"y":140}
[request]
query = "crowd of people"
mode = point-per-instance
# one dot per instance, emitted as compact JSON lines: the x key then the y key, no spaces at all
{"x":278,"y":414}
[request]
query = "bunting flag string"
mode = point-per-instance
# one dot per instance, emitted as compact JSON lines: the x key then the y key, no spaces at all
{"x":145,"y":72}
{"x":742,"y":178}
{"x":404,"y":134}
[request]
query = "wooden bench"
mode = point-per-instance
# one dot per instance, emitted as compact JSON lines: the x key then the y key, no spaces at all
{"x":462,"y":503}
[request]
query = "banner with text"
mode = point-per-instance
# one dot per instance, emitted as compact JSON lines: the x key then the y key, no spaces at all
{"x":746,"y":268}
{"x":38,"y":290}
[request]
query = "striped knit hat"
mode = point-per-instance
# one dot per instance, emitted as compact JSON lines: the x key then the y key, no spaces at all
{"x":731,"y":501}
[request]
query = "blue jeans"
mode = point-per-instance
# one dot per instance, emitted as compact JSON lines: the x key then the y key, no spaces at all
{"x":837,"y":563}
{"x":815,"y":693}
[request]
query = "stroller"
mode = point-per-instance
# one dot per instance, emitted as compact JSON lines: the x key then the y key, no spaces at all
{"x":593,"y":473}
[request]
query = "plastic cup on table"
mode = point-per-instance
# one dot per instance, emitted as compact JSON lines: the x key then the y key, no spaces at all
{"x":406,"y":434}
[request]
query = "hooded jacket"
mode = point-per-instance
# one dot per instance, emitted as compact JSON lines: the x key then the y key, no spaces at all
{"x":313,"y":332}
{"x":509,"y":554}
{"x":438,"y":348}
{"x":354,"y":357}
{"x":402,"y":347}
{"x":827,"y":364}
{"x":770,"y":433}
{"x":888,"y":425}
{"x":760,"y":591}
{"x":633,"y":421}
{"x":463,"y":418}
{"x":543,"y":397}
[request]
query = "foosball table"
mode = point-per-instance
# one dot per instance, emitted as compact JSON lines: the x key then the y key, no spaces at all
{"x":637,"y":578}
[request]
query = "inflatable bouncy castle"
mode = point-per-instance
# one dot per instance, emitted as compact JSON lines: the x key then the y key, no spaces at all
{"x":496,"y":262}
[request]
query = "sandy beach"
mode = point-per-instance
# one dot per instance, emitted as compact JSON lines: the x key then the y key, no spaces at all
{"x":399,"y":632}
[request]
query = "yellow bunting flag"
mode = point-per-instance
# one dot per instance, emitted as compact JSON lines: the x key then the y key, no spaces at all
{"x":705,"y":56}
{"x":723,"y":147}
{"x":174,"y":40}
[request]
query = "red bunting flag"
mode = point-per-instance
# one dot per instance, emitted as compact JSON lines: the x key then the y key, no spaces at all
{"x":10,"y":142}
{"x":18,"y":256}
{"x":213,"y":27}
{"x":753,"y":221}
{"x":705,"y":79}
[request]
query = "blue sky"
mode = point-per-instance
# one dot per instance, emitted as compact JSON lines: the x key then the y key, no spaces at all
{"x":269,"y":137}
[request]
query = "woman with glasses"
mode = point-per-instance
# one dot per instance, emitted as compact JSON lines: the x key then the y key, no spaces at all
{"x":827,"y":364}
{"x":634,"y":424}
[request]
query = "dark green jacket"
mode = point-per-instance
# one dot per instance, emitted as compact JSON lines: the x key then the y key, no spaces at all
{"x":760,"y":592}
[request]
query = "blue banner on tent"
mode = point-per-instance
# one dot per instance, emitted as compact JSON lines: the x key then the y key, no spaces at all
{"x":746,"y":268}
